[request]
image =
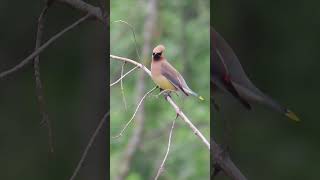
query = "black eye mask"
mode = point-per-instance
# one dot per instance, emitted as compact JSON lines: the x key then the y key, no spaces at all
{"x":156,"y":56}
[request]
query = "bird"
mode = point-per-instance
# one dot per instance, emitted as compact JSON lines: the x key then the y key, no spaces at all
{"x":166,"y":76}
{"x":227,"y":75}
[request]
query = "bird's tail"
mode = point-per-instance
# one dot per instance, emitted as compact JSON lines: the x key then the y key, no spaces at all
{"x":195,"y":94}
{"x":256,"y":95}
{"x":292,"y":115}
{"x":276,"y":106}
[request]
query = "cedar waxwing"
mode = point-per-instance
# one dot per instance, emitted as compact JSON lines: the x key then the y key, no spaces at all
{"x":227,"y":75}
{"x":166,"y":76}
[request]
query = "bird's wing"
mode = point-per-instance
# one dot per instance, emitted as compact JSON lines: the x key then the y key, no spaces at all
{"x":226,"y":65}
{"x":223,"y":66}
{"x":226,"y":62}
{"x":173,"y":76}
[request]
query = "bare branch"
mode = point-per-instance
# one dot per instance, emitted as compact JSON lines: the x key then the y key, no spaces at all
{"x":85,"y":7}
{"x":134,"y":35}
{"x":28,"y":59}
{"x":123,"y":76}
{"x":121,"y":87}
{"x":93,"y":137}
{"x":135,"y":112}
{"x":186,"y":120}
{"x":168,"y":98}
{"x":222,"y":160}
{"x":168,"y":149}
{"x":132,"y":62}
{"x":39,"y":87}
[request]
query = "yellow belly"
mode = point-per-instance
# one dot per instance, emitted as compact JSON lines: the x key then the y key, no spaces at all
{"x":163,"y":83}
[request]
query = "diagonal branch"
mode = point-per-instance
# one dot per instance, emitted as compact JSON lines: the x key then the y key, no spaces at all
{"x":186,"y":120}
{"x":135,"y":112}
{"x":93,"y":137}
{"x":223,"y":162}
{"x":28,"y":59}
{"x":85,"y":7}
{"x":168,"y":98}
{"x":123,"y":76}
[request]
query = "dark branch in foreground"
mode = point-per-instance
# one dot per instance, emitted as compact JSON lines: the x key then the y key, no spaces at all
{"x":39,"y":86}
{"x":28,"y":59}
{"x":93,"y":137}
{"x":85,"y":7}
{"x":223,"y":162}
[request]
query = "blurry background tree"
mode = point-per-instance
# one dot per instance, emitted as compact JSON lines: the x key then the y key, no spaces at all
{"x":73,"y":72}
{"x":278,"y":46}
{"x":183,"y":27}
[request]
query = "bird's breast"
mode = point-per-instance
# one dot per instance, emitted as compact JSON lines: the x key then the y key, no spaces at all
{"x":159,"y":79}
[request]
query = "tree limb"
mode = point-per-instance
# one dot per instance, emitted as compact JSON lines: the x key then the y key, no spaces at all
{"x":223,"y":161}
{"x":28,"y":59}
{"x":85,"y":7}
{"x":93,"y":137}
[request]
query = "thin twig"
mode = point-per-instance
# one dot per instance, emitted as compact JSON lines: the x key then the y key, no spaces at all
{"x":93,"y":137}
{"x":135,"y":112}
{"x":39,"y":88}
{"x":160,"y":170}
{"x":134,"y":36}
{"x":114,"y":83}
{"x":121,"y":87}
{"x":28,"y":59}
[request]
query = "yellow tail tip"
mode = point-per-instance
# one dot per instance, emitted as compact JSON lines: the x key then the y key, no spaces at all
{"x":201,"y":98}
{"x":292,"y":116}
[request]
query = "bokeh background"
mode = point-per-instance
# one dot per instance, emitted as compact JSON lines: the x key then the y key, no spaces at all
{"x":183,"y":27}
{"x":74,"y":74}
{"x":277,"y":43}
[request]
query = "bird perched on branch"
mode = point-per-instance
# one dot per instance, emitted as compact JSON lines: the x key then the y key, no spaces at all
{"x":166,"y":76}
{"x":227,"y":75}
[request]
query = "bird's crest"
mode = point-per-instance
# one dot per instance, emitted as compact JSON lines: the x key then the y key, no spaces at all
{"x":159,"y":49}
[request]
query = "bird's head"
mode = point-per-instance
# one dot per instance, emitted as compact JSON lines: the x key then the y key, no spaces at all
{"x":157,"y":52}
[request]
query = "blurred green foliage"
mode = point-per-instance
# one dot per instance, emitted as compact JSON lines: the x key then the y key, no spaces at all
{"x":277,"y":43}
{"x":183,"y":27}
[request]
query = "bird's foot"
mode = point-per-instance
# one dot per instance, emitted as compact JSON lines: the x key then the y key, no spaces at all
{"x":166,"y":94}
